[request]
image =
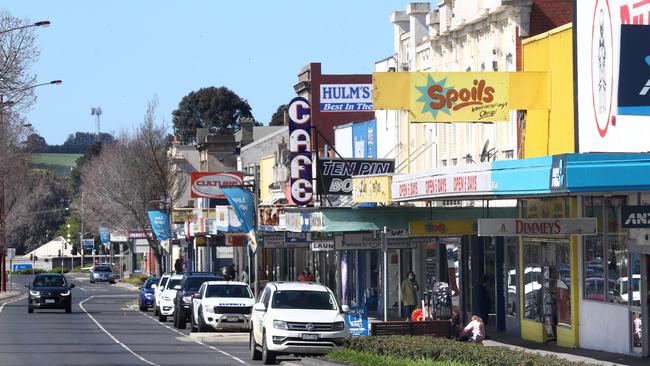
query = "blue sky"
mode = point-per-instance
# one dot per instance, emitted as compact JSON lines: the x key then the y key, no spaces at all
{"x":120,"y":54}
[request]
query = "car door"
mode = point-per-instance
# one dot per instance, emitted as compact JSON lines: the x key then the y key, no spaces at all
{"x":196,"y":302}
{"x":258,"y":316}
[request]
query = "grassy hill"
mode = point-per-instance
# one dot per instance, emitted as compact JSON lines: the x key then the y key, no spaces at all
{"x":57,"y":163}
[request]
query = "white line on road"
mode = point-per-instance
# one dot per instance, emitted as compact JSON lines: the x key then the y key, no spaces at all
{"x":113,"y":338}
{"x":10,"y":301}
{"x":196,"y":341}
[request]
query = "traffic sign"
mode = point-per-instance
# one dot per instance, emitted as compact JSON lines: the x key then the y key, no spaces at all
{"x":21,"y":266}
{"x":88,"y":244}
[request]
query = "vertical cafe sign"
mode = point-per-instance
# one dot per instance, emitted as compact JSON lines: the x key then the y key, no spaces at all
{"x":300,"y":149}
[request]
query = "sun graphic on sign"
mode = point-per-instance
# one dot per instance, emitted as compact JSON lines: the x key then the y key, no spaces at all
{"x":426,"y":99}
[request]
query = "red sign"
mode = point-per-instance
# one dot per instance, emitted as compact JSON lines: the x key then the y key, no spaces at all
{"x":208,"y":185}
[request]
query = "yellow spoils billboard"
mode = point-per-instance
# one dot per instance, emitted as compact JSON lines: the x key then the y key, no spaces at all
{"x":442,"y":227}
{"x":460,"y":96}
{"x":371,"y":189}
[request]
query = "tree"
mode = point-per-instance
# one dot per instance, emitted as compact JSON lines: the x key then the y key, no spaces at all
{"x":278,"y":117}
{"x":35,"y":143}
{"x":217,"y":109}
{"x":92,"y":152}
{"x":128,"y":177}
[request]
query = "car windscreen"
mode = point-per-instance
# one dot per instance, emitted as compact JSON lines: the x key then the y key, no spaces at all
{"x":103,"y":269}
{"x":193,"y":283}
{"x":163,"y":282}
{"x":295,"y":299}
{"x":228,"y":291}
{"x":49,"y":281}
{"x":173,"y":282}
{"x":150,"y":282}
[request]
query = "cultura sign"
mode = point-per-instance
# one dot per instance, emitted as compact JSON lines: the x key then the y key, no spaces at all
{"x":208,"y":185}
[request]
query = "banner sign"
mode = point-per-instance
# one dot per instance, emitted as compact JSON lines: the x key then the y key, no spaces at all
{"x":466,"y":180}
{"x":159,"y":221}
{"x":208,"y":185}
{"x":296,"y":238}
{"x":227,"y":220}
{"x":243,"y":204}
{"x":537,"y":227}
{"x":372,"y":189}
{"x":346,"y":97}
{"x":322,"y":245}
{"x":634,"y":72}
{"x":88,"y":244}
{"x":300,"y":149}
{"x":297,"y":222}
{"x":357,"y":320}
{"x":336,"y":173}
{"x":104,"y":235}
{"x":442,"y":227}
{"x":635,"y":217}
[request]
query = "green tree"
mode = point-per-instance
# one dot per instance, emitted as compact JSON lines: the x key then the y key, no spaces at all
{"x":93,"y":151}
{"x":217,"y":109}
{"x":278,"y":117}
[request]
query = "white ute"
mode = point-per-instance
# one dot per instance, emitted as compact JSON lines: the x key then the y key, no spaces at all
{"x":160,"y":286}
{"x":221,"y":305}
{"x":166,"y":307}
{"x":296,"y":318}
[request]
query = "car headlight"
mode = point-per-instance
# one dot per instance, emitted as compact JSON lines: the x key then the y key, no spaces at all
{"x":187,"y":299}
{"x":338,"y":326}
{"x":34,"y":293}
{"x":148,"y":296}
{"x":279,"y":324}
{"x":209,"y":309}
{"x":67,"y":293}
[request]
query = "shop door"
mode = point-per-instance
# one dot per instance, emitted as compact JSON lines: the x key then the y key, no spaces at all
{"x":636,"y":292}
{"x":511,"y":285}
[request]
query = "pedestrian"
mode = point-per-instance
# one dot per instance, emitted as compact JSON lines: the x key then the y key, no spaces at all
{"x":473,"y":332}
{"x":178,"y":265}
{"x":231,"y":272}
{"x":306,"y":276}
{"x":483,"y":300}
{"x":409,"y":290}
{"x":243,"y":276}
{"x":637,"y":329}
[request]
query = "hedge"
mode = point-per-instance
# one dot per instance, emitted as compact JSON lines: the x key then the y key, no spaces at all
{"x":357,"y":358}
{"x":137,"y":279}
{"x":445,"y":350}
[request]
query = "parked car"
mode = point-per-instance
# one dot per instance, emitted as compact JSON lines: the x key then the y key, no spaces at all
{"x":296,"y":318}
{"x":146,"y":299}
{"x":222,"y":305}
{"x":49,"y":291}
{"x":167,"y":296}
{"x":160,"y":287}
{"x":188,"y":287}
{"x":622,"y":290}
{"x":102,"y":273}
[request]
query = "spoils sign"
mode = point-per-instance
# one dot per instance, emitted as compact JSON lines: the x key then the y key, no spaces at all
{"x":300,"y":149}
{"x":449,"y":97}
{"x":208,"y":185}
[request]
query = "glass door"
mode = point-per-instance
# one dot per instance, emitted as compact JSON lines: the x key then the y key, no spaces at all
{"x":511,"y":279}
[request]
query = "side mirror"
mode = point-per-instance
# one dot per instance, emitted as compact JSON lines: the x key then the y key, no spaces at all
{"x":27,"y":285}
{"x":197,"y":295}
{"x":154,"y":286}
{"x":345,"y":309}
{"x":140,"y":288}
{"x":177,"y":287}
{"x":259,"y":307}
{"x":72,"y":285}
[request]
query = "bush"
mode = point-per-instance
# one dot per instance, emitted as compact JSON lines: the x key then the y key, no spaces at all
{"x":80,"y":270}
{"x":137,"y":279}
{"x":356,"y":358}
{"x":58,"y":270}
{"x":29,"y":271}
{"x":445,"y":350}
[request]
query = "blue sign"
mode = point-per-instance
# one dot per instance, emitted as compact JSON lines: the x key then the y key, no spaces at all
{"x":634,"y":71}
{"x":243,"y":204}
{"x":21,"y":266}
{"x":88,"y":244}
{"x":296,"y":238}
{"x":302,"y":189}
{"x":364,"y":139}
{"x":104,"y":235}
{"x":346,"y":97}
{"x":357,"y":321}
{"x":159,"y":223}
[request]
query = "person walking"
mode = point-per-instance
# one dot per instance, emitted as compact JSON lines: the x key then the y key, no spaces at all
{"x":243,"y":276}
{"x":409,"y":292}
{"x":306,"y":276}
{"x":178,"y":265}
{"x":231,"y":272}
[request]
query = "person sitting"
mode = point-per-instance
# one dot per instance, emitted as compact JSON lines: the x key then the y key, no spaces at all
{"x":474,"y":332}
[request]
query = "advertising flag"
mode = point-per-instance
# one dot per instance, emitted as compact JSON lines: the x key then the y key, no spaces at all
{"x":243,"y":204}
{"x":159,"y":223}
{"x":104,"y":235}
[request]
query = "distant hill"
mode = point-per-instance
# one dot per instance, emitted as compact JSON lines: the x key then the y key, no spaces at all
{"x":59,"y":164}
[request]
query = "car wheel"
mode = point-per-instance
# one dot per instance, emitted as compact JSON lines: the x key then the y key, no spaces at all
{"x":268,"y":356}
{"x":202,"y":327}
{"x":181,"y":322}
{"x":68,"y":307}
{"x":156,"y":311}
{"x":256,"y":355}
{"x":142,"y":307}
{"x":30,"y":309}
{"x":193,"y":327}
{"x":162,"y":318}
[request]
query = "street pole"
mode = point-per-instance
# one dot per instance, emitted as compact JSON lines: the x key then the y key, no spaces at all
{"x":3,"y":276}
{"x":384,"y":249}
{"x":256,"y":178}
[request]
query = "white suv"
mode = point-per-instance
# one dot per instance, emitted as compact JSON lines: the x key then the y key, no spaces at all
{"x":160,"y":286}
{"x":166,"y":302}
{"x":296,"y":318}
{"x":222,"y":305}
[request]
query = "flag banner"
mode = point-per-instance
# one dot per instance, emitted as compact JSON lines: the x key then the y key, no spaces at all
{"x":104,"y":235}
{"x":243,"y":204}
{"x":159,"y":221}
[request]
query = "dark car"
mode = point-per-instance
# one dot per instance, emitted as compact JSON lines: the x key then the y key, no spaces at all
{"x":49,"y":291}
{"x":189,"y":286}
{"x":147,"y":293}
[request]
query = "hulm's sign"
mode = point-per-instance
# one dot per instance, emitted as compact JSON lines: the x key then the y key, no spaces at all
{"x":346,"y":97}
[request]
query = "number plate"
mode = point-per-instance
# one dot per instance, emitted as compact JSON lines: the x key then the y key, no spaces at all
{"x":49,"y":301}
{"x":309,"y":337}
{"x":232,"y":319}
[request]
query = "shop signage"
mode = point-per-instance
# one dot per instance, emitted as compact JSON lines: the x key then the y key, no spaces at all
{"x":371,"y":189}
{"x":296,"y":238}
{"x":635,"y":217}
{"x":537,"y":227}
{"x":397,"y":233}
{"x":357,"y":320}
{"x":400,"y":243}
{"x":473,"y":179}
{"x":336,"y":174}
{"x":227,"y":220}
{"x":557,"y":180}
{"x":270,"y":215}
{"x":300,"y":148}
{"x":317,"y":222}
{"x":235,"y":240}
{"x":139,"y":235}
{"x":612,"y":73}
{"x":208,"y":185}
{"x":225,"y":252}
{"x":298,"y":222}
{"x":322,"y":245}
{"x":369,"y":241}
{"x":346,"y":97}
{"x":442,"y":227}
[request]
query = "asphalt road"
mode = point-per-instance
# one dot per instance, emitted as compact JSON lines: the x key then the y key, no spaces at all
{"x":105,"y":328}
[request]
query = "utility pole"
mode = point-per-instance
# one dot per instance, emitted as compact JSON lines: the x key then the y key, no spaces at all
{"x":96,"y":111}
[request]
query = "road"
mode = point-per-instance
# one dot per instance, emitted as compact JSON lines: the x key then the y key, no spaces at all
{"x":105,"y":328}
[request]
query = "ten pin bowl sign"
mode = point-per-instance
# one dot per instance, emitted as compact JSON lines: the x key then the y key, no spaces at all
{"x":537,"y":227}
{"x":208,"y":185}
{"x":300,"y":149}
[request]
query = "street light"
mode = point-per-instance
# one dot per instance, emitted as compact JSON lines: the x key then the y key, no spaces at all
{"x":42,"y":23}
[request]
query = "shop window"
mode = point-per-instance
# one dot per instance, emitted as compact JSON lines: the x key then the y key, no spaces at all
{"x":563,"y":283}
{"x":532,"y":282}
{"x":511,"y":279}
{"x":606,"y":265}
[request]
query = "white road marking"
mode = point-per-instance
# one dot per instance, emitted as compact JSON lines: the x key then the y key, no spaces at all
{"x":112,"y":337}
{"x":196,"y":341}
{"x":10,"y":301}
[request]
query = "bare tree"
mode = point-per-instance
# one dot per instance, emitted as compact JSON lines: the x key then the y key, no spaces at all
{"x":129,"y":177}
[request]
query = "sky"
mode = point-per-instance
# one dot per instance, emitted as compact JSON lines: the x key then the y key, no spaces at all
{"x":121,"y":54}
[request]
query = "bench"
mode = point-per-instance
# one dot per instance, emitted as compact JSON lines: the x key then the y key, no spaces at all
{"x":436,"y":328}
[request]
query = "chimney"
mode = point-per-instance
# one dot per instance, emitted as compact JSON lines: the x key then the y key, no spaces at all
{"x":246,"y":124}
